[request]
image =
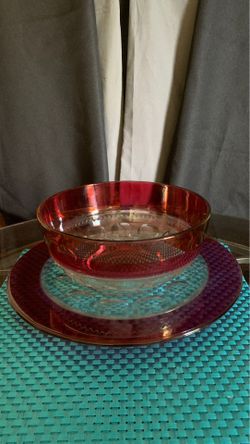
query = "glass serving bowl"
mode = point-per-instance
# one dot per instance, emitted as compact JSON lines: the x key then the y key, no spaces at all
{"x":121,"y":237}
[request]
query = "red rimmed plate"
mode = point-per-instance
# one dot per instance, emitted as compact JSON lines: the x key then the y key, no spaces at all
{"x":28,"y":298}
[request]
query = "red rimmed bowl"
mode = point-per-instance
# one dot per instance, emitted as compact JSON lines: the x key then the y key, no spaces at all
{"x":124,"y":235}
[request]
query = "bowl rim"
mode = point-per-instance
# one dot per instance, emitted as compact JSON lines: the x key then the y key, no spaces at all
{"x":47,"y":228}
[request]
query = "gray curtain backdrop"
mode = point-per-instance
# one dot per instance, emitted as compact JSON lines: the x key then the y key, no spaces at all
{"x":211,"y":151}
{"x":51,"y":111}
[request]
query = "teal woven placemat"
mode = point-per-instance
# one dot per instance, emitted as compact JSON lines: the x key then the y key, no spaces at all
{"x":193,"y":390}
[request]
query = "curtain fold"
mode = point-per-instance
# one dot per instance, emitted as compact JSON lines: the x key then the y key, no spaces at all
{"x":110,"y":52}
{"x":159,"y":40}
{"x":144,"y":54}
{"x":52,"y":132}
{"x":211,"y":152}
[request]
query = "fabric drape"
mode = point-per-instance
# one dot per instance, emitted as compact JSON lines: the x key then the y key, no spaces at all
{"x":98,"y":89}
{"x":159,"y":40}
{"x":110,"y":52}
{"x":211,"y":154}
{"x":52,"y":132}
{"x":146,"y":44}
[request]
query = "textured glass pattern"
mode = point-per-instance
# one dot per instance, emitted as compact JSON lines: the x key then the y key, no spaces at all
{"x":124,"y":229}
{"x":112,"y":303}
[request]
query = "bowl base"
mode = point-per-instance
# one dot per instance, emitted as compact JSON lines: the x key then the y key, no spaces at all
{"x":123,"y":298}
